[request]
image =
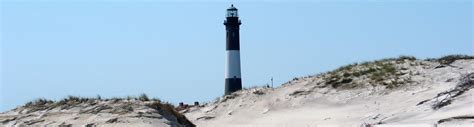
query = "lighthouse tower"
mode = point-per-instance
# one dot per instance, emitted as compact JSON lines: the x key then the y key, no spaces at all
{"x":233,"y":81}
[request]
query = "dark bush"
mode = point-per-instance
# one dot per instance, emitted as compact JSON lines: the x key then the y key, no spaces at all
{"x":346,"y":74}
{"x":143,"y":97}
{"x":451,"y":58}
{"x":346,"y":80}
{"x":403,"y":57}
{"x":38,"y":102}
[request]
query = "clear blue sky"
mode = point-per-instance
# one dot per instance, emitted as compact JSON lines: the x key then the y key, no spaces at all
{"x":176,"y":50}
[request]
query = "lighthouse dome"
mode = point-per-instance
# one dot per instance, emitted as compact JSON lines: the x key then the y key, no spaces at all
{"x":232,"y":7}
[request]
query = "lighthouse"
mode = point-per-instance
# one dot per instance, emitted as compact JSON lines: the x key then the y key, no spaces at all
{"x":233,"y":80}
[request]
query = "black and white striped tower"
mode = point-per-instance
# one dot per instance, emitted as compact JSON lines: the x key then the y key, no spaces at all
{"x":233,"y":81}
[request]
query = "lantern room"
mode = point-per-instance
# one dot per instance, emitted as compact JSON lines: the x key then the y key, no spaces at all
{"x":232,"y":11}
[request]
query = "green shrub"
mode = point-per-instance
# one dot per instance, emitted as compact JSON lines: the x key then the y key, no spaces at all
{"x":365,"y":72}
{"x":385,"y":70}
{"x":346,"y":67}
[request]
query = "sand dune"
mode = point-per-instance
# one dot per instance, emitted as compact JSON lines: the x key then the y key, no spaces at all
{"x":92,"y":112}
{"x":386,"y":93}
{"x":394,"y":100}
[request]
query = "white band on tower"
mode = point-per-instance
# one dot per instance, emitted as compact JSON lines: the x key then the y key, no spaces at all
{"x":232,"y":69}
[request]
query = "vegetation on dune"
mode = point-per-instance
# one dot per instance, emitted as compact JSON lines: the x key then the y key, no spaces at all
{"x":387,"y":72}
{"x":125,"y":105}
{"x":66,"y":103}
{"x":447,"y":60}
{"x":391,"y":73}
{"x":382,"y":72}
{"x":41,"y":103}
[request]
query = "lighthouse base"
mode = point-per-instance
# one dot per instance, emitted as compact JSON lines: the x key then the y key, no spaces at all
{"x":232,"y":85}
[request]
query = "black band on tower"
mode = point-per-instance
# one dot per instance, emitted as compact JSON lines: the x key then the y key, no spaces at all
{"x":232,"y":35}
{"x":232,"y":85}
{"x":233,"y":42}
